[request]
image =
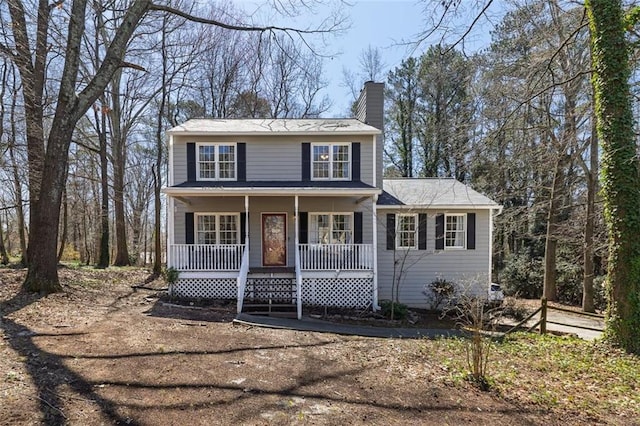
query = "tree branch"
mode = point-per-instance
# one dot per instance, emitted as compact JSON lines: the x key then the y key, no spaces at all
{"x":261,"y":29}
{"x":469,"y":28}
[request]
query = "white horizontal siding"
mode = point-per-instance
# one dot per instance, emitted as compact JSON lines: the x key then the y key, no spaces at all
{"x":469,"y":269}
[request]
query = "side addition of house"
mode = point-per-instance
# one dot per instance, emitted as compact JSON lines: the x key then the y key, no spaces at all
{"x":295,"y":212}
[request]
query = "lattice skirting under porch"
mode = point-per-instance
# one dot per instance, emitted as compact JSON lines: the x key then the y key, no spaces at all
{"x":338,"y":292}
{"x":205,"y":288}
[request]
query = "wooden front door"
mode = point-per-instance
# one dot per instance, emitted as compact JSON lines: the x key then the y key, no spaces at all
{"x":274,"y":239}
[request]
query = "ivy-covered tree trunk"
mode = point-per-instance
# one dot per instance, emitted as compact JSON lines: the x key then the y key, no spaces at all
{"x":620,"y":181}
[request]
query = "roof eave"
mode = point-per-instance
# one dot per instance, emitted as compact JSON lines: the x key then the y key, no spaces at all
{"x":253,"y":191}
{"x":267,"y":133}
{"x":441,"y":207}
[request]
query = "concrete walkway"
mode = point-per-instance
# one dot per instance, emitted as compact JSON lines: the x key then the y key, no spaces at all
{"x":320,"y":326}
{"x":315,"y":325}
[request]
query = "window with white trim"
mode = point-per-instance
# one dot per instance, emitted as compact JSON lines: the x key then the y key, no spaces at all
{"x":331,"y":161}
{"x":330,"y":228}
{"x":216,"y":162}
{"x":217,"y":228}
{"x":407,"y":231}
{"x":454,"y":231}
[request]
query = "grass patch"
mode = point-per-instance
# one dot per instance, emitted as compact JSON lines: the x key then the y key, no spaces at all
{"x":552,"y":372}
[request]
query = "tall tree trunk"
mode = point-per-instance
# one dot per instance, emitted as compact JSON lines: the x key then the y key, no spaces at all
{"x":550,"y":290}
{"x":592,"y":187}
{"x":65,"y":224}
{"x":42,"y":275}
{"x":157,"y":171}
{"x":119,"y":159}
{"x":157,"y":242}
{"x":4,"y":258}
{"x":101,"y":121}
{"x":620,"y":180}
{"x":17,"y":185}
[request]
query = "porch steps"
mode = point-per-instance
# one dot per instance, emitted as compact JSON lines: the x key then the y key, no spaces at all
{"x":271,"y":296}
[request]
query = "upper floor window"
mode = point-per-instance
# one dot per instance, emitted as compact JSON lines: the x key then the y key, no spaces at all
{"x":216,"y":162}
{"x":217,"y":228}
{"x":407,"y":231}
{"x":331,"y":161}
{"x":330,"y":228}
{"x":454,"y":231}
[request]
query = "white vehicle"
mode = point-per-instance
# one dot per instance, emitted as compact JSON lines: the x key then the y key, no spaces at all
{"x":496,"y":295}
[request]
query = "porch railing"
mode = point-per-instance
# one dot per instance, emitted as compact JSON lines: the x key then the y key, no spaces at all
{"x":331,"y":257}
{"x":206,"y":257}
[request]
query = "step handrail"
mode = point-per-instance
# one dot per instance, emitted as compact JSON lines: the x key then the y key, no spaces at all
{"x":242,"y":278}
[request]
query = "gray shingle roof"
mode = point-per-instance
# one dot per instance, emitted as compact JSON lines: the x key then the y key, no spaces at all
{"x":432,"y":192}
{"x":274,"y":126}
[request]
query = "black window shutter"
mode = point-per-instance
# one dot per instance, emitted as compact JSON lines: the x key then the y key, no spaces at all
{"x":242,"y":162}
{"x":303,"y":225}
{"x":188,"y":228}
{"x":355,"y":161}
{"x":440,"y":232}
{"x":357,"y":227}
{"x":306,"y":161}
{"x":422,"y":231}
{"x":391,"y":231}
{"x":191,"y":162}
{"x":471,"y":231}
{"x":243,"y":227}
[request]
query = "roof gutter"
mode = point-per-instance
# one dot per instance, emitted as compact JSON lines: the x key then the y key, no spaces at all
{"x":441,"y":207}
{"x":222,"y":191}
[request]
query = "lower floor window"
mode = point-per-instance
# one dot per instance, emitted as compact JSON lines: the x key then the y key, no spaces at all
{"x":407,"y":229}
{"x":455,"y":232}
{"x":217,"y":229}
{"x":330,"y":228}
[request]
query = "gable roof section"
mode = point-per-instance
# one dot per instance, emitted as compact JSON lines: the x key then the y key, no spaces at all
{"x":248,"y":127}
{"x":432,"y":193}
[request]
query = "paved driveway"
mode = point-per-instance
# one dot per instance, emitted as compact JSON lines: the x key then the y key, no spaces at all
{"x":576,"y":320}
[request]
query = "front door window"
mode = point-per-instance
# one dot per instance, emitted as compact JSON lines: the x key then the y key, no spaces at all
{"x":274,"y":239}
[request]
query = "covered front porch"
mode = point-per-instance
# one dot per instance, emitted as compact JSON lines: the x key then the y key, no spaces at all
{"x":314,"y":248}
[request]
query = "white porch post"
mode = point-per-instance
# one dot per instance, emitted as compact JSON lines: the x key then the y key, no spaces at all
{"x":246,"y":221}
{"x":170,"y":231}
{"x":295,"y":216}
{"x":297,"y":258}
{"x":244,"y":265}
{"x":374,"y":209}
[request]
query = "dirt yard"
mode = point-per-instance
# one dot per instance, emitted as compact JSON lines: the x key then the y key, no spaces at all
{"x":102,"y":353}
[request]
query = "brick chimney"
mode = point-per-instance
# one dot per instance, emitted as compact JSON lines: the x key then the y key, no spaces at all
{"x":370,"y":110}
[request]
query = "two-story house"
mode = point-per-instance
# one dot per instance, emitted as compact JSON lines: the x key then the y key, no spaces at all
{"x":296,"y":212}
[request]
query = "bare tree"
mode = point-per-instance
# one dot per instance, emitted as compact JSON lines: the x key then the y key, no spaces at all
{"x":48,"y":162}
